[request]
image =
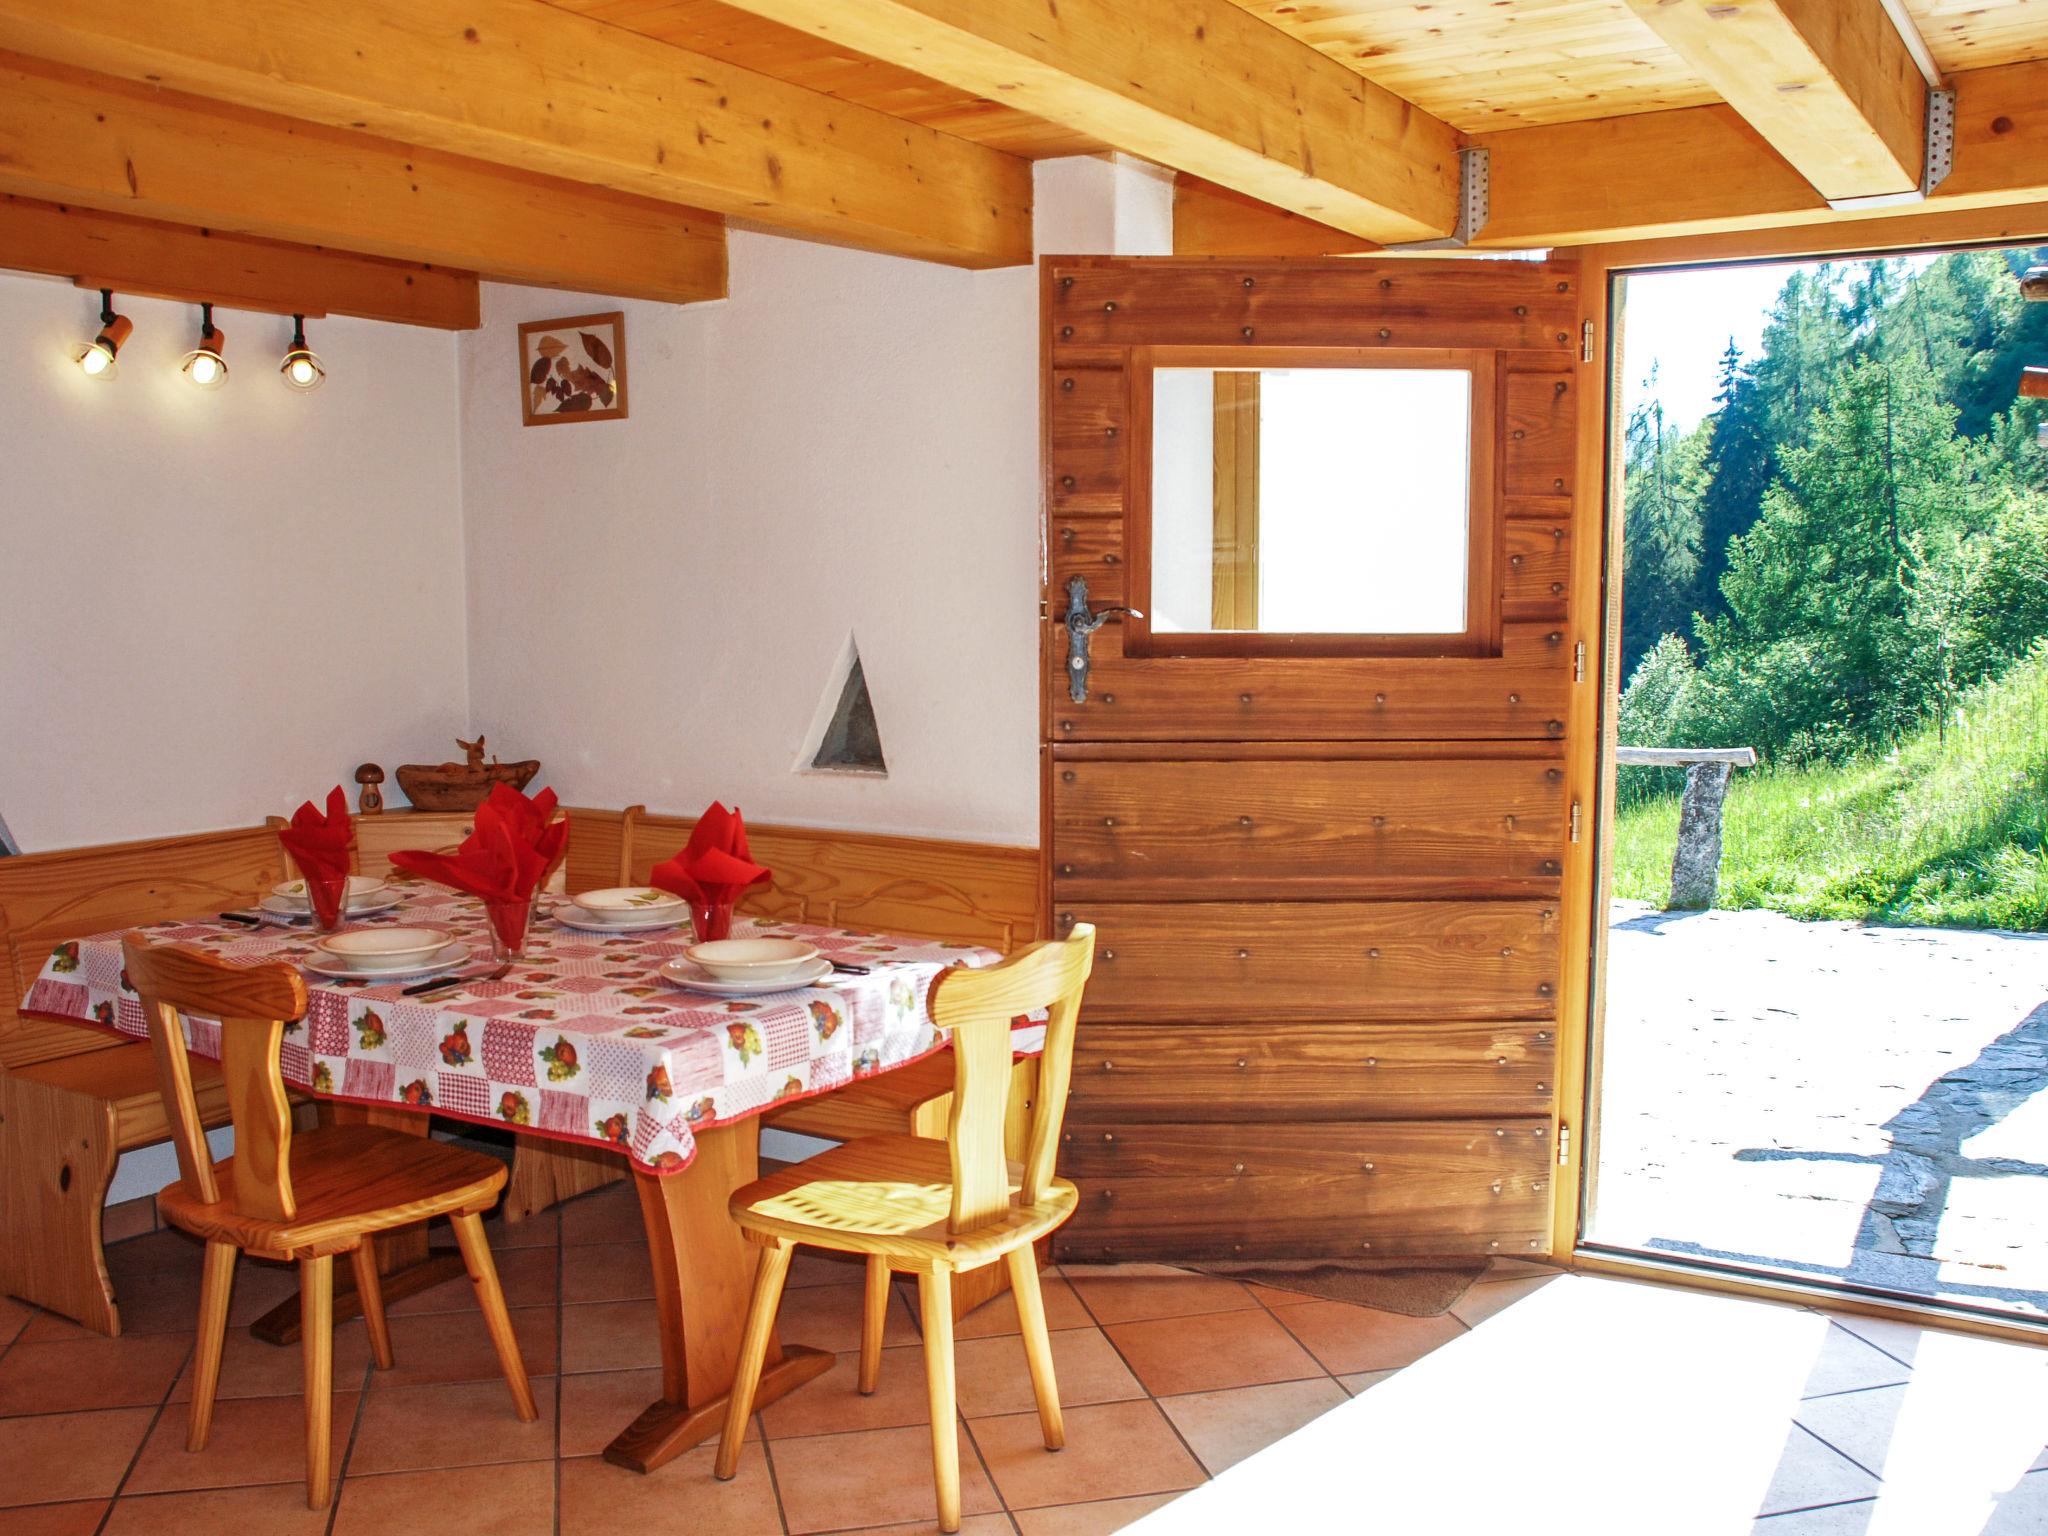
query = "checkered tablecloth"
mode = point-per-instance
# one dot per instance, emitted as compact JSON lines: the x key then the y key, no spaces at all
{"x":581,"y":1040}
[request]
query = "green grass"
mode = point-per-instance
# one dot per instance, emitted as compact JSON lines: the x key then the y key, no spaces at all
{"x":1946,"y":834}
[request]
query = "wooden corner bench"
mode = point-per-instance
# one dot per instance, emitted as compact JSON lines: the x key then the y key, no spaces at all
{"x":73,"y":1099}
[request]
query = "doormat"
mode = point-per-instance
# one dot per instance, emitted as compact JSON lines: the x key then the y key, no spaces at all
{"x":1403,"y":1286}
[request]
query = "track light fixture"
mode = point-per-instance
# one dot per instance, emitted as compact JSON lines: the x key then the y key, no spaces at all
{"x":205,"y":365}
{"x":96,"y":358}
{"x":302,"y":369}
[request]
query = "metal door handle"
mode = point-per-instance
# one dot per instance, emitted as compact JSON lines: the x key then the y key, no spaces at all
{"x":1081,"y":623}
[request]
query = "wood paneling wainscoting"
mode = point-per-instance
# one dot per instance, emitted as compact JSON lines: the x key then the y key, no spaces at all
{"x":1328,"y":880}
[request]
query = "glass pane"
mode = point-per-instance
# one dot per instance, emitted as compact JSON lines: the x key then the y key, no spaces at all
{"x":1311,"y":500}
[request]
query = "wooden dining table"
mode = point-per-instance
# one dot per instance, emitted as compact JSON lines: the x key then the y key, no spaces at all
{"x":582,"y":1041}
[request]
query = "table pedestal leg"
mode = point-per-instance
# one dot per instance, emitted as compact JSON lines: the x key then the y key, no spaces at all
{"x":703,"y":1274}
{"x":403,"y":1259}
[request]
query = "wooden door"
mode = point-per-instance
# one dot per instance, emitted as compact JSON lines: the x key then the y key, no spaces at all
{"x":1327,"y":873}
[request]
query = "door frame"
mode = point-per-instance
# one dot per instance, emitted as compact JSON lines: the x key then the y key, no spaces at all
{"x":1590,"y":767}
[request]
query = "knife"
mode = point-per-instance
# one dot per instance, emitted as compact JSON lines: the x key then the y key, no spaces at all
{"x":445,"y":983}
{"x":241,"y":917}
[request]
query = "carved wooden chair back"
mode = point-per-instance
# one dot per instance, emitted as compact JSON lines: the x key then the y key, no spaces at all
{"x":253,"y":1005}
{"x":977,"y":1005}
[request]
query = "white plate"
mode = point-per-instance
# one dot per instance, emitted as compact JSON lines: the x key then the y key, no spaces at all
{"x":681,"y":973}
{"x":569,"y":915}
{"x":454,"y":954}
{"x":288,"y":911}
{"x":359,"y":887}
{"x":630,"y":903}
{"x":762,"y":960}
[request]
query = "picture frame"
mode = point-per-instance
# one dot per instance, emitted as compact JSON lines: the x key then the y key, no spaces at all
{"x":567,"y":367}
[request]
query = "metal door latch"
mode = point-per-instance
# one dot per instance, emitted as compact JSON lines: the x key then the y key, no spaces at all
{"x":1081,"y":623}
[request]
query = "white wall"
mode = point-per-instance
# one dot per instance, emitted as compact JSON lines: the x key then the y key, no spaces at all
{"x":847,"y":444}
{"x":218,"y":603}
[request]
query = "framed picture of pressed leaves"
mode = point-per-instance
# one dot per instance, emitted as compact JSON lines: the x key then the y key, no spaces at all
{"x":573,"y":369}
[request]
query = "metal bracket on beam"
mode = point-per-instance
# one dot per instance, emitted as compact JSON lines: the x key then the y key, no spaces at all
{"x":1474,"y":204}
{"x":1937,"y":159}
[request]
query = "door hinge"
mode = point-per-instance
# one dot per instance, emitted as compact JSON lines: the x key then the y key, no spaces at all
{"x":1575,"y":821}
{"x":1564,"y":1145}
{"x":1586,"y":342}
{"x":1578,"y":660}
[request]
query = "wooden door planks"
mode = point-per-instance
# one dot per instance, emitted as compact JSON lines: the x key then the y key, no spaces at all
{"x":1382,"y":960}
{"x":1310,"y":1190}
{"x":1209,"y":829}
{"x":1324,"y":1018}
{"x":1130,"y":1073}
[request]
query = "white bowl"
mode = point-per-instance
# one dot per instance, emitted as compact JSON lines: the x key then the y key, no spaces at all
{"x":630,"y":903}
{"x":384,"y":949}
{"x":751,"y":959}
{"x":361,"y":888}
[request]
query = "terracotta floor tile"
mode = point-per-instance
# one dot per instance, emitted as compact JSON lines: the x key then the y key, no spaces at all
{"x":1358,"y":1381}
{"x":254,"y":1440}
{"x":607,"y":1272}
{"x":14,"y":1316}
{"x":595,"y":1406}
{"x":610,"y":1336}
{"x":828,"y":1317}
{"x":168,"y":1247}
{"x":1063,"y":1309}
{"x":58,"y":1456}
{"x":542,"y":1231}
{"x":1212,"y":1351}
{"x":608,"y":1215}
{"x":150,"y":1301}
{"x":259,"y":1286}
{"x":831,"y":1404}
{"x":454,"y":1424}
{"x":79,"y":1519}
{"x":1223,"y":1428}
{"x":1113,"y":1450}
{"x":1097,"y":1519}
{"x":1491,"y":1296}
{"x":991,"y":1376}
{"x":71,"y":1375}
{"x":527,"y":1276}
{"x":683,"y":1497}
{"x":516,"y":1500}
{"x":1846,"y":1363}
{"x":816,"y":1266}
{"x":1347,"y":1338}
{"x":970,"y":1525}
{"x":275,"y":1509}
{"x":1851,"y":1519}
{"x":883,"y":1476}
{"x":1810,"y":1473}
{"x":1133,"y":1293}
{"x":454,"y":1346}
{"x":251,"y":1368}
{"x":1273,"y":1296}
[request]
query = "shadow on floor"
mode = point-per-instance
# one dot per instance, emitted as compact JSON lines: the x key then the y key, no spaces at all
{"x":1895,"y":1242}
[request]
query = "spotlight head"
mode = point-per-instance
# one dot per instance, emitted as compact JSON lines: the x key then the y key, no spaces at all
{"x":96,"y":358}
{"x":206,"y":365}
{"x":301,"y":368}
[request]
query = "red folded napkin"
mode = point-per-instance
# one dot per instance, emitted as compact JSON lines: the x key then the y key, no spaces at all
{"x":530,"y":822}
{"x":319,"y":843}
{"x":715,"y":866}
{"x":495,"y":862}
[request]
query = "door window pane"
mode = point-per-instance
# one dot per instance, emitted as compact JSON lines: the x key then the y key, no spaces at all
{"x":1311,"y":500}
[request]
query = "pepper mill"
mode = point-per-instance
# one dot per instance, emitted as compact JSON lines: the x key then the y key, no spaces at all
{"x":371,"y":800}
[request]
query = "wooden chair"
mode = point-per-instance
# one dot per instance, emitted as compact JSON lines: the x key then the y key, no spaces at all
{"x":935,"y":1208}
{"x":304,"y":1198}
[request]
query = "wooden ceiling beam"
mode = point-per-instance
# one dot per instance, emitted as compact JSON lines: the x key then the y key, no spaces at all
{"x":1198,"y":85}
{"x":1830,"y":84}
{"x":1661,"y":175}
{"x":523,"y":84}
{"x":81,"y":140}
{"x":186,"y":265}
